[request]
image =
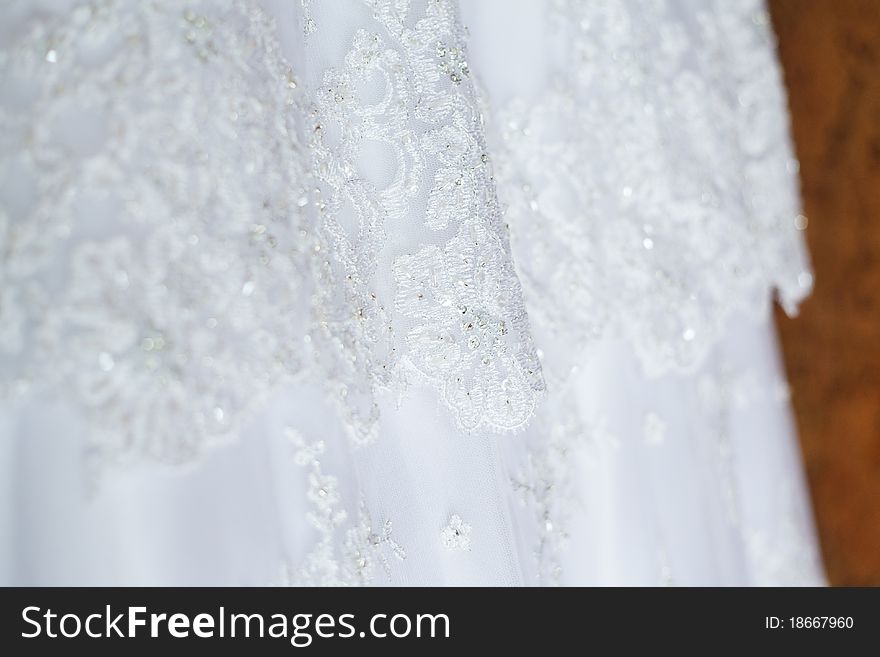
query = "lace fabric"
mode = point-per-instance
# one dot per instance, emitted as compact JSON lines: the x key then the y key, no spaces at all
{"x":696,"y":216}
{"x":155,"y":245}
{"x":400,"y":103}
{"x":214,"y":304}
{"x":362,"y":219}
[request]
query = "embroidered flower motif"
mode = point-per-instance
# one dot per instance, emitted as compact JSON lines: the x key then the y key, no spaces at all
{"x":545,"y":481}
{"x":342,"y":556}
{"x":366,"y":548}
{"x":456,"y":192}
{"x":462,"y":339}
{"x":456,"y":535}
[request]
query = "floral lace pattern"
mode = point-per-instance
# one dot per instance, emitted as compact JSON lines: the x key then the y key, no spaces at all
{"x":176,"y":261}
{"x":658,"y":238}
{"x":155,"y":260}
{"x":463,"y":338}
{"x":353,"y":560}
{"x":545,"y":485}
{"x":188,"y":223}
{"x":456,"y":535}
{"x":687,"y":246}
{"x":403,"y":94}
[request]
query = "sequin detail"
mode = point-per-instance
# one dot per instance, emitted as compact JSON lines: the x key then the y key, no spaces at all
{"x":456,"y":535}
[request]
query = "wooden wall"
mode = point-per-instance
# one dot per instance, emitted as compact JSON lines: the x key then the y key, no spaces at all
{"x":830,"y":51}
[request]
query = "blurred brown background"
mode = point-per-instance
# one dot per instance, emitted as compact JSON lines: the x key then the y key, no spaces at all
{"x":830,"y":51}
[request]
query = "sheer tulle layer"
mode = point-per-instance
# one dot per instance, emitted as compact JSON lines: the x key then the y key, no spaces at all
{"x":687,"y":479}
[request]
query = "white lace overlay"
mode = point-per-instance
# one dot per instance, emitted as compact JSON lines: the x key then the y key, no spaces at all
{"x":402,"y":100}
{"x":695,"y":216}
{"x":205,"y":205}
{"x":164,"y":263}
{"x":153,"y":233}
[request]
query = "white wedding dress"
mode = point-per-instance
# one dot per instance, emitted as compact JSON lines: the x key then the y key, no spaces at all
{"x":345,"y":292}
